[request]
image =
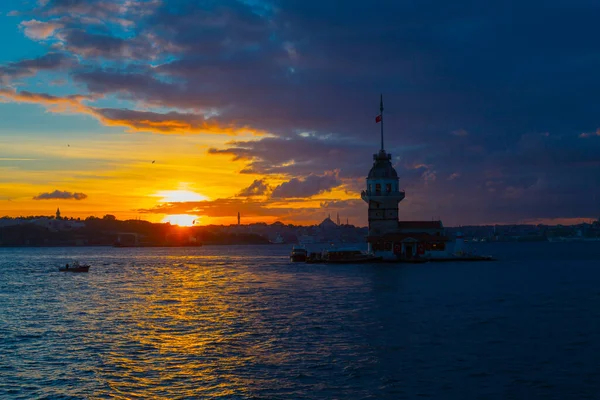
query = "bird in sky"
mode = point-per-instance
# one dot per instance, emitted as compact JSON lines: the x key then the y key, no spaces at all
{"x":153,"y":161}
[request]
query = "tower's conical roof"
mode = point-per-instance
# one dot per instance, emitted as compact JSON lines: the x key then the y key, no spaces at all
{"x":382,"y":167}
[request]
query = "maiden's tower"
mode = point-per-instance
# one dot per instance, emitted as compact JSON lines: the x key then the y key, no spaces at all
{"x":388,"y":237}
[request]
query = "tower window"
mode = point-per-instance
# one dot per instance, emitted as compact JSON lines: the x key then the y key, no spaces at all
{"x":378,"y":187}
{"x":388,"y":187}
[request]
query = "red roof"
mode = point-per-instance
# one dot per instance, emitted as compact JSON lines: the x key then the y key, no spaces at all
{"x":420,"y":225}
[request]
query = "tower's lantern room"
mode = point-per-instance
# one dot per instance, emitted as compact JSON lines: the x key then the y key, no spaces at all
{"x":382,"y":176}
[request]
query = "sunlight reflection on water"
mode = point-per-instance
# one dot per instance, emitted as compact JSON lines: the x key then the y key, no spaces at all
{"x":241,"y":322}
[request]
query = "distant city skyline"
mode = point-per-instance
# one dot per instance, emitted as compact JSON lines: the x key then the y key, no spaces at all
{"x":190,"y":110}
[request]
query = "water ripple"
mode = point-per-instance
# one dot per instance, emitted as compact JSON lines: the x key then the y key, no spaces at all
{"x":242,"y":323}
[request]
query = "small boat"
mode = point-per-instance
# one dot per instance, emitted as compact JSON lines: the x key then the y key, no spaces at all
{"x":342,"y":256}
{"x":76,"y":267}
{"x":298,"y":254}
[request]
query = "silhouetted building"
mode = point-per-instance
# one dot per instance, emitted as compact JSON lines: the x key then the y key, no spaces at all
{"x":388,"y":237}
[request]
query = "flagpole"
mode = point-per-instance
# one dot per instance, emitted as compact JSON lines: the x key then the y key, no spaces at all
{"x":381,"y":113}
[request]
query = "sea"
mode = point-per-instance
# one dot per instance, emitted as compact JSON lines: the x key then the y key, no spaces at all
{"x":242,"y":322}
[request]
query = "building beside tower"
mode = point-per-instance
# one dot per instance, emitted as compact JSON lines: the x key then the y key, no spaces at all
{"x":388,"y":237}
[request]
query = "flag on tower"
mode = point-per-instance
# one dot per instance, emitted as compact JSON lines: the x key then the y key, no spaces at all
{"x":378,"y":119}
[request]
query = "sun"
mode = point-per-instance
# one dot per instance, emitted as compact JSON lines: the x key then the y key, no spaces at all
{"x":181,"y":219}
{"x":179,"y":196}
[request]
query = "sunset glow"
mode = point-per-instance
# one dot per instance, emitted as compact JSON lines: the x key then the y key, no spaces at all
{"x":173,"y":196}
{"x":181,"y":219}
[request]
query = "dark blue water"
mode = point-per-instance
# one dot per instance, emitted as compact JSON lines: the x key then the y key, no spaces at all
{"x":240,"y":322}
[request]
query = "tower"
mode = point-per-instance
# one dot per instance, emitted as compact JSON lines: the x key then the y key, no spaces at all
{"x":57,"y":213}
{"x":383,"y":193}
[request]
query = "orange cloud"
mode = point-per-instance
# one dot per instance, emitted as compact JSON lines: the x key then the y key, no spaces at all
{"x":168,"y":123}
{"x":137,"y":121}
{"x":39,"y":30}
{"x":72,"y":104}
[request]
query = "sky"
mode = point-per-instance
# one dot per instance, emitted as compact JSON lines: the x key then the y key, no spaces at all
{"x":193,"y":110}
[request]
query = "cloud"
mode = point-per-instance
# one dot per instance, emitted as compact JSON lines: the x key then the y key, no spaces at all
{"x":60,"y":195}
{"x":203,"y":51}
{"x":306,"y":187}
{"x":301,"y":155}
{"x":257,"y":188}
{"x":39,"y":30}
{"x":171,"y":122}
{"x":137,"y":84}
{"x":119,"y":12}
{"x":429,"y":175}
{"x":92,"y":45}
{"x":29,"y":67}
{"x":72,"y":103}
{"x":343,"y":203}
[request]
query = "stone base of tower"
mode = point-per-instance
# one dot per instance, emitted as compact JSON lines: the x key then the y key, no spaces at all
{"x":412,"y":241}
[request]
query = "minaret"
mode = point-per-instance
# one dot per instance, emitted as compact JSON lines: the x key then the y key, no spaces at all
{"x":57,"y":213}
{"x":383,"y":193}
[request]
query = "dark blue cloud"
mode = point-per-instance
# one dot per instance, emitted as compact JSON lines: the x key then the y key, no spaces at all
{"x":92,"y":45}
{"x":29,"y":67}
{"x":257,"y":188}
{"x":306,"y":187}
